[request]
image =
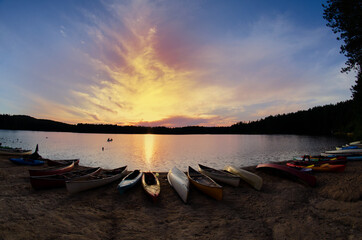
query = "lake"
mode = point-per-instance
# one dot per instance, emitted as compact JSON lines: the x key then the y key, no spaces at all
{"x":162,"y":152}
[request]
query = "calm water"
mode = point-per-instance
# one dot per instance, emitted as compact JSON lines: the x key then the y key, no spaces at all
{"x":162,"y":152}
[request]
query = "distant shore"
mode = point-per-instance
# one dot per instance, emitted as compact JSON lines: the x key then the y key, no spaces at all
{"x":283,"y":209}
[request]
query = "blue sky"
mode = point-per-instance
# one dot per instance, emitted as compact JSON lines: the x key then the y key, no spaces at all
{"x":169,"y":63}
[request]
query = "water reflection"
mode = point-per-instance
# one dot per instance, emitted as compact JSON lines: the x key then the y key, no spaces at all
{"x":162,"y":152}
{"x":148,"y":149}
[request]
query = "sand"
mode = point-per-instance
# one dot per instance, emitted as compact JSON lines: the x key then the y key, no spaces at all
{"x":283,"y":209}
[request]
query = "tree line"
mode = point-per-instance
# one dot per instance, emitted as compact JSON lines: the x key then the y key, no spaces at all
{"x":331,"y":119}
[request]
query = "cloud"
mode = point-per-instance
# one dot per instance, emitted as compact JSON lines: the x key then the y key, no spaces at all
{"x":181,"y":121}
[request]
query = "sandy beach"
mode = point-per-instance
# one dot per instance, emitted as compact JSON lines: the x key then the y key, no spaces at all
{"x":283,"y":209}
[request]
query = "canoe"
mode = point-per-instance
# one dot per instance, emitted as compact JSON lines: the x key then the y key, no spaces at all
{"x":204,"y":184}
{"x":290,"y":172}
{"x":99,"y":179}
{"x":254,"y":180}
{"x":27,"y":161}
{"x":129,"y":181}
{"x":14,"y":151}
{"x":151,"y":185}
{"x":51,"y":171}
{"x":220,"y":176}
{"x":321,"y":159}
{"x":53,"y":181}
{"x":179,"y":181}
{"x":319,"y":167}
{"x":62,"y":162}
{"x":345,"y":151}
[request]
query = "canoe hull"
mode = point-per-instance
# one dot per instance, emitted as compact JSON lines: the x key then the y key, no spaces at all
{"x":180,"y":182}
{"x":254,"y":180}
{"x":220,"y":176}
{"x":126,"y":183}
{"x":28,"y":162}
{"x":152,"y":189}
{"x":93,"y":181}
{"x":211,"y":188}
{"x":304,"y":177}
{"x":56,"y":181}
{"x":45,"y":172}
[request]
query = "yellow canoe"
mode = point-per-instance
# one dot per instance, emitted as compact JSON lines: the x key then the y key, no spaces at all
{"x":205,"y":184}
{"x":254,"y":180}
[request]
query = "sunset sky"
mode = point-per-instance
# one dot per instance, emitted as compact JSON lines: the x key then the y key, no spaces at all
{"x":167,"y":62}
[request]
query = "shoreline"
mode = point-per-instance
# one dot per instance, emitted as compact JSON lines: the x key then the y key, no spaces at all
{"x":283,"y":209}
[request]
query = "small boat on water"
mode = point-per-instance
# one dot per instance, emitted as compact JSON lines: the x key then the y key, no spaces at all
{"x":51,"y":171}
{"x":220,"y":176}
{"x":204,"y":184}
{"x":27,"y":161}
{"x":290,"y":172}
{"x":58,"y":180}
{"x":179,"y":181}
{"x":254,"y":180}
{"x":129,"y":181}
{"x":325,"y":167}
{"x":62,"y":162}
{"x":99,"y":179}
{"x":321,"y":159}
{"x":151,"y":185}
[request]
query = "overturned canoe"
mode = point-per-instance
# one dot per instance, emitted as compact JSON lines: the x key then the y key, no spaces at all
{"x":204,"y":184}
{"x":27,"y":161}
{"x":220,"y":176}
{"x":254,"y":180}
{"x":129,"y":181}
{"x":290,"y":172}
{"x":51,"y":171}
{"x":179,"y":181}
{"x":151,"y":185}
{"x":53,"y":181}
{"x":99,"y":179}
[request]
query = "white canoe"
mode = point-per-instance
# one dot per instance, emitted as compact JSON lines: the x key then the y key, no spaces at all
{"x":220,"y":176}
{"x":249,"y":177}
{"x":345,"y":151}
{"x":101,"y":178}
{"x":180,"y":182}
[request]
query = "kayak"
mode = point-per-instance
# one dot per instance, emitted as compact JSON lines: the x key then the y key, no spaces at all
{"x":319,"y":167}
{"x":345,"y":151}
{"x":99,"y":179}
{"x":179,"y":181}
{"x":220,"y":176}
{"x":205,"y":184}
{"x":321,"y":159}
{"x":290,"y":172}
{"x":254,"y":180}
{"x":27,"y":161}
{"x":51,"y":171}
{"x":151,"y":185}
{"x":129,"y":181}
{"x":58,"y":180}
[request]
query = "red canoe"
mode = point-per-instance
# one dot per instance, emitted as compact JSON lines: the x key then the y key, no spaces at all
{"x":291,"y":172}
{"x":51,"y":171}
{"x":53,"y":181}
{"x":62,"y":162}
{"x":318,"y":167}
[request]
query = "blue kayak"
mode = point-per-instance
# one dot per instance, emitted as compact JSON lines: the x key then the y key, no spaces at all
{"x":129,"y":181}
{"x":27,"y":161}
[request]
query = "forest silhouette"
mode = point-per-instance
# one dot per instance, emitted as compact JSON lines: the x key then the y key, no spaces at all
{"x":333,"y":119}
